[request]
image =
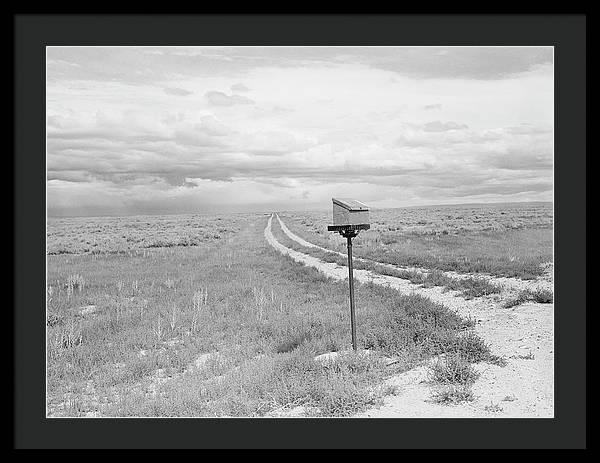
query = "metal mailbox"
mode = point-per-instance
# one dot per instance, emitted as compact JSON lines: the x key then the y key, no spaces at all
{"x":350,"y":212}
{"x":349,"y":217}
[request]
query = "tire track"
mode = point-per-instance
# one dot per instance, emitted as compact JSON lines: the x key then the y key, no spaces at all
{"x":523,"y":335}
{"x":450,"y":299}
{"x":507,"y":283}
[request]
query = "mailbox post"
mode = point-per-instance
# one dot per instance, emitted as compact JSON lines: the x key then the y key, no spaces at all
{"x":349,"y":217}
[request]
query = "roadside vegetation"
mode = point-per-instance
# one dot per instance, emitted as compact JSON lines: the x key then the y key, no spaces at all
{"x":453,"y":374}
{"x":468,"y":288}
{"x":541,"y":296}
{"x":227,"y":327}
{"x":136,"y":234}
{"x":502,"y":240}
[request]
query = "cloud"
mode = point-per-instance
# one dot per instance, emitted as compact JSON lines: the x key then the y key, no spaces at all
{"x":239,"y":88}
{"x":136,"y":66}
{"x":480,"y":63}
{"x":272,"y":143}
{"x":122,"y":136}
{"x":221,"y":99}
{"x":437,"y":126}
{"x":177,"y":91}
{"x":196,"y":137}
{"x":208,"y":149}
{"x":527,"y":129}
{"x":211,"y":126}
{"x":70,"y":176}
{"x":521,"y":158}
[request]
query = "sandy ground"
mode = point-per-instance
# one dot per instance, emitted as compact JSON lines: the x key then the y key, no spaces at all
{"x":522,"y":335}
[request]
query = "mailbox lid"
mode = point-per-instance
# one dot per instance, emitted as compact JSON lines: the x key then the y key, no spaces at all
{"x":350,"y":204}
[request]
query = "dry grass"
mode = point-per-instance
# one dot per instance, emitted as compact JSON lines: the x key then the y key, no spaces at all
{"x":158,"y":311}
{"x":453,"y":394}
{"x":468,"y":288}
{"x":505,"y":240}
{"x":453,"y":369}
{"x":132,"y":235}
{"x":541,"y":296}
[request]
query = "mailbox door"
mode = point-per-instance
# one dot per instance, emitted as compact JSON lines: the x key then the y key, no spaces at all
{"x":358,"y":217}
{"x":341,"y":216}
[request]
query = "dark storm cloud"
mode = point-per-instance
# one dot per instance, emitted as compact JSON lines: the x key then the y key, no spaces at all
{"x":504,"y":188}
{"x":140,"y":66}
{"x":70,"y":176}
{"x":483,"y":63}
{"x":521,"y":160}
{"x":322,"y":118}
{"x":203,"y":158}
{"x":107,"y":133}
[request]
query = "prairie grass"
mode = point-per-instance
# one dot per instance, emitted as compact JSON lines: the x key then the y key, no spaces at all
{"x":468,"y":288}
{"x":254,"y":389}
{"x":136,"y":234}
{"x":453,"y":394}
{"x":493,"y":408}
{"x":453,"y":369}
{"x":510,"y":240}
{"x":453,"y":376}
{"x":541,"y":296}
{"x":159,"y":311}
{"x":453,"y":373}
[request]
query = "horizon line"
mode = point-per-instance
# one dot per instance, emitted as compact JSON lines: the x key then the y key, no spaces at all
{"x":267,"y":211}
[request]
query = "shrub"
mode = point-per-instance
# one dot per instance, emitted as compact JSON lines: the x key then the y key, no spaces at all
{"x":542,"y":296}
{"x":453,"y":395}
{"x":292,"y":342}
{"x":453,"y":369}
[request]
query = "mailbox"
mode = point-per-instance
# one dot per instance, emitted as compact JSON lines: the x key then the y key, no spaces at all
{"x":349,"y":212}
{"x":349,"y":217}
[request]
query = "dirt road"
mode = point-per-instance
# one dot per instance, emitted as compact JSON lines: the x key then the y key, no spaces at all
{"x":515,"y":284}
{"x":523,"y":335}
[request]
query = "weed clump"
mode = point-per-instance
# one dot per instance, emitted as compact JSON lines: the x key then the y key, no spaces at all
{"x":493,"y":408}
{"x":452,"y":395}
{"x":415,"y":324}
{"x":541,"y":296}
{"x":469,"y":287}
{"x":453,"y":369}
{"x":292,"y":342}
{"x":473,"y":349}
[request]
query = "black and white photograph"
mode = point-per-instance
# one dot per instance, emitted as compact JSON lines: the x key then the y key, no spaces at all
{"x":300,"y":232}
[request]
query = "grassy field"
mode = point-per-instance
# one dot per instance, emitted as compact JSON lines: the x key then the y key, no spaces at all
{"x":101,"y":235}
{"x":156,"y":316}
{"x":468,"y":287}
{"x":505,"y":240}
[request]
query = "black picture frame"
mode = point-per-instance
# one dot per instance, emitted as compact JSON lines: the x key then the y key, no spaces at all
{"x":32,"y":33}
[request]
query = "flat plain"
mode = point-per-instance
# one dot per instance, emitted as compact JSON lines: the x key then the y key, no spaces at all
{"x":500,"y":239}
{"x":199,"y":315}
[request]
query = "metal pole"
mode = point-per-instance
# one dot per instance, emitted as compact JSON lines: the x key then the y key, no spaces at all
{"x":351,"y":281}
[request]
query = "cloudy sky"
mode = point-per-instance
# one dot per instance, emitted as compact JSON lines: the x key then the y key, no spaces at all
{"x":139,"y":130}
